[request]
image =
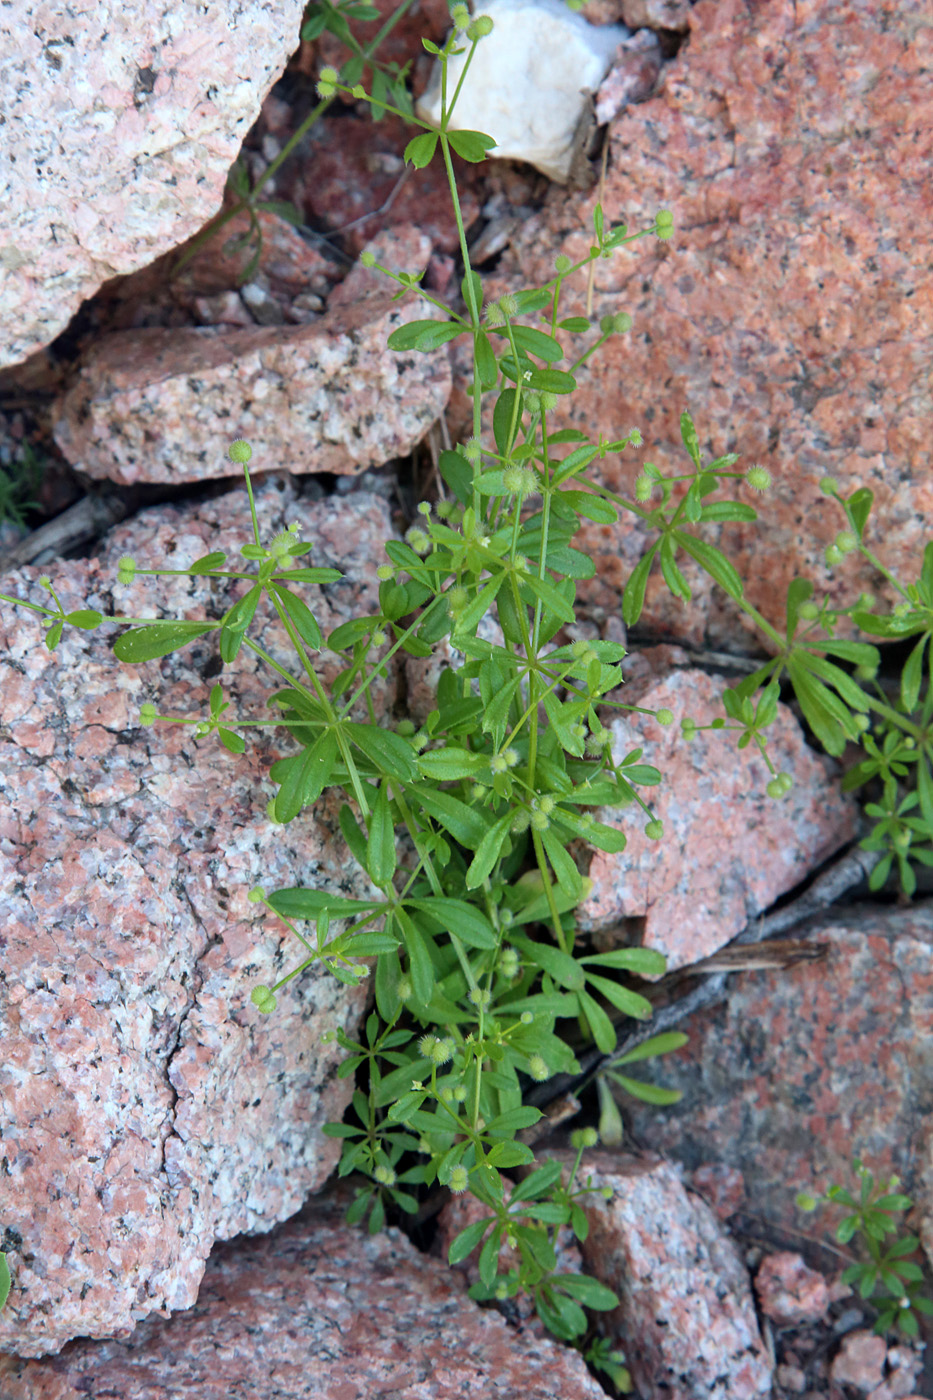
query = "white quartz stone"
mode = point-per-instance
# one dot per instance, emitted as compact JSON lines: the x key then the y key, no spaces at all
{"x":528,"y":81}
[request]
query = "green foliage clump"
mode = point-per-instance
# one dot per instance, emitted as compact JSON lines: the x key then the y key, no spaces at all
{"x":888,"y":1265}
{"x":481,"y":989}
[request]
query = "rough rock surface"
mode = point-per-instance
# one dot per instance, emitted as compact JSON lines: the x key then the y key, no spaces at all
{"x":316,"y":1311}
{"x":791,"y":313}
{"x":686,"y":1319}
{"x":803,"y":1069}
{"x":729,"y":850}
{"x":528,"y":80}
{"x":634,"y":72}
{"x":161,"y":405}
{"x":789,"y":1292}
{"x":121,"y":126}
{"x":146,"y":1108}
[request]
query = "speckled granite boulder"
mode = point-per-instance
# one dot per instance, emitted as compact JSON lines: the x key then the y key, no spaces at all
{"x":802,"y":1069}
{"x":791,"y":313}
{"x":154,"y":405}
{"x":686,"y":1318}
{"x":146,"y":1108}
{"x":121,"y":127}
{"x":728,"y":850}
{"x":316,"y":1311}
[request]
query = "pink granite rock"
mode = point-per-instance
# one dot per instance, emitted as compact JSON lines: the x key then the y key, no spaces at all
{"x":789,"y":1292}
{"x":791,"y":313}
{"x":161,"y":405}
{"x":729,"y":850}
{"x":121,"y":127}
{"x":655,"y":14}
{"x":686,"y":1319}
{"x":632,"y":77}
{"x":860,"y":1363}
{"x":802,"y":1069}
{"x":146,"y":1107}
{"x":316,"y":1311}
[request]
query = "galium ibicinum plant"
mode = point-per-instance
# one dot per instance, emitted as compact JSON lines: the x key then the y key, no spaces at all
{"x":481,"y":987}
{"x":888,"y":1265}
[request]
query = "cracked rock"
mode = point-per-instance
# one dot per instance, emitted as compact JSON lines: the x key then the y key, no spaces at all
{"x":147,"y":1109}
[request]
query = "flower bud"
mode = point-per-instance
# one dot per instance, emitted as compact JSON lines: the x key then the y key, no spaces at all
{"x":635,"y":437}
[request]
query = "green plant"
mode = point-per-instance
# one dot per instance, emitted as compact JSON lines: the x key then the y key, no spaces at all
{"x":888,"y":1265}
{"x":4,"y":1280}
{"x":388,"y":83}
{"x":18,"y":482}
{"x":480,"y":986}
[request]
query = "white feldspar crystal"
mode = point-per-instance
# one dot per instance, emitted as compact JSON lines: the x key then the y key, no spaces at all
{"x":528,"y":82}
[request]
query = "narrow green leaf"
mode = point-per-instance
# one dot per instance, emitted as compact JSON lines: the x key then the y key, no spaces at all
{"x":386,"y":750}
{"x":599,"y":1023}
{"x":622,"y":998}
{"x":85,"y":618}
{"x":420,"y":965}
{"x":633,"y":597}
{"x":587,"y":1291}
{"x":380,"y":844}
{"x":353,"y":835}
{"x":590,"y":506}
{"x":465,"y":824}
{"x":487,"y":366}
{"x":553,"y":600}
{"x":689,"y":435}
{"x":157,"y":639}
{"x":446,"y":765}
{"x":464,"y":1244}
{"x":672,"y":576}
{"x":912,"y":675}
{"x":502,"y":420}
{"x":307,"y":777}
{"x":661,"y":1044}
{"x":475,"y":611}
{"x":798,"y":592}
{"x":458,"y":475}
{"x":565,"y":970}
{"x":487,"y":853}
{"x":568,"y":876}
{"x":457,"y":917}
{"x":535,"y":342}
{"x":302,"y":617}
{"x":713,"y":561}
